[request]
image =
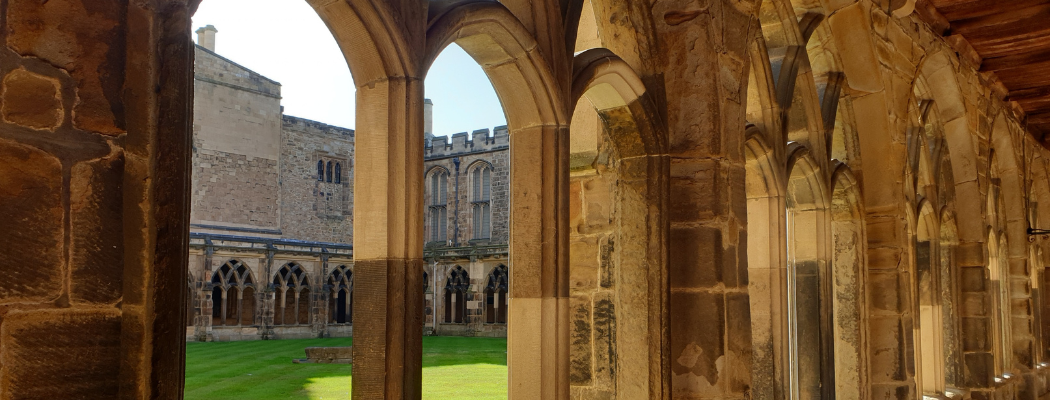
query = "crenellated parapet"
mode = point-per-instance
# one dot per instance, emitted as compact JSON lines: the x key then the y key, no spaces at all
{"x":463,"y":143}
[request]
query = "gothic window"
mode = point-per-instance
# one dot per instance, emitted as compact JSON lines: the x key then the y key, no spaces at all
{"x":341,"y":295}
{"x":456,"y":288}
{"x":426,"y":281}
{"x":320,"y":170}
{"x":482,"y":201}
{"x":438,"y":187}
{"x":496,"y":296}
{"x":328,"y":172}
{"x":338,"y":173}
{"x":233,"y":295}
{"x":291,"y":296}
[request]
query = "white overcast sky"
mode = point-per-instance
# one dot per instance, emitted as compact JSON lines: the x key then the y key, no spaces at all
{"x":286,"y":41}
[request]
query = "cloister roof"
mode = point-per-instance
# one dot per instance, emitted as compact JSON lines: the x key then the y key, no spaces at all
{"x":1010,"y":40}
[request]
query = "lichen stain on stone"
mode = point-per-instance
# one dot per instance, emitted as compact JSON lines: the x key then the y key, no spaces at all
{"x":31,"y":100}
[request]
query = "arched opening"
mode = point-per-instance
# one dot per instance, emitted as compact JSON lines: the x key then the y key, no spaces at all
{"x":537,"y":183}
{"x":340,"y":287}
{"x":929,"y":347}
{"x":457,"y":289}
{"x":614,"y":272}
{"x":292,"y":295}
{"x":496,"y":296}
{"x":808,"y":300}
{"x":229,"y":283}
{"x":848,"y":289}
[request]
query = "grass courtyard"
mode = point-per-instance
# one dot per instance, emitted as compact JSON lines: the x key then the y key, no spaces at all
{"x":453,"y":368}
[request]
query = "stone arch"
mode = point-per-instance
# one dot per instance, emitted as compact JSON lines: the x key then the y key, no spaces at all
{"x":494,"y":37}
{"x":457,"y":293}
{"x":636,"y":147}
{"x":537,"y":118}
{"x":808,"y":284}
{"x":762,"y":109}
{"x":230,"y":282}
{"x":496,"y":295}
{"x":847,"y":276}
{"x":339,"y":285}
{"x":937,"y":82}
{"x":291,"y":295}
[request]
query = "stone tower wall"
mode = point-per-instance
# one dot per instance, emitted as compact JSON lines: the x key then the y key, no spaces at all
{"x":316,"y":210}
{"x":236,"y":135}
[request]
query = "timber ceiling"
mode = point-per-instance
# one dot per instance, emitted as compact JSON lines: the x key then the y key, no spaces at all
{"x":1011,"y":39}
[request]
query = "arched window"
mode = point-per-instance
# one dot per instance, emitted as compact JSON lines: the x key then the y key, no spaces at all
{"x":426,"y":281}
{"x":291,"y":296}
{"x":338,"y":173}
{"x":482,"y":201}
{"x":341,"y":299}
{"x":233,"y":295}
{"x":496,"y":296}
{"x":328,"y":172}
{"x":456,"y":288}
{"x":438,"y":188}
{"x":320,"y":170}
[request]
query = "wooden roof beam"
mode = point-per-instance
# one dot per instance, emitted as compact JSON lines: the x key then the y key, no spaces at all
{"x":1016,"y":60}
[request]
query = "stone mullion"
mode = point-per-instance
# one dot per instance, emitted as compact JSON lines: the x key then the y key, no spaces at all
{"x":538,"y":326}
{"x":388,"y":233}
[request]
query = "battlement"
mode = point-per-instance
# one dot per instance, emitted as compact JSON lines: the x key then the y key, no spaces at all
{"x":314,"y":127}
{"x":462,"y":143}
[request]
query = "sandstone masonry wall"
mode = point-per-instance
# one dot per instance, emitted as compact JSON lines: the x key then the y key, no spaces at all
{"x":312,"y":209}
{"x":236,"y":135}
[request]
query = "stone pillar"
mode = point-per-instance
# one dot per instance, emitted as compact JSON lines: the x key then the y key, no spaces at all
{"x":710,"y":321}
{"x":388,"y":234}
{"x":538,"y":303}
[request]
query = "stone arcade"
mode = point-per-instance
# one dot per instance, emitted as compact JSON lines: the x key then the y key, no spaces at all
{"x":271,"y":220}
{"x":706,"y":199}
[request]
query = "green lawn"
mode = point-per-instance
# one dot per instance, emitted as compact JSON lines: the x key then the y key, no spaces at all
{"x":453,"y":368}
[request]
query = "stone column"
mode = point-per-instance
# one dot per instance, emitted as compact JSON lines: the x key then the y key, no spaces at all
{"x":710,"y":321}
{"x":538,"y":303}
{"x":388,"y":234}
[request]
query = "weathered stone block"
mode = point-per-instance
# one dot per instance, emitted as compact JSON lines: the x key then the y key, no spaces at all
{"x":886,"y":349}
{"x":31,"y":100}
{"x":31,"y":253}
{"x":972,"y":279}
{"x":583,"y":263}
{"x":979,"y":370}
{"x":696,"y":257}
{"x":884,"y":291}
{"x":975,"y":334}
{"x":695,"y":356}
{"x":580,"y":356}
{"x":81,"y":349}
{"x":85,"y":38}
{"x":97,"y":231}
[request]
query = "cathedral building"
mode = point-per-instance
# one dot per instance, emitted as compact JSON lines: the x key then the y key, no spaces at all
{"x":692,"y":199}
{"x":271,"y":221}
